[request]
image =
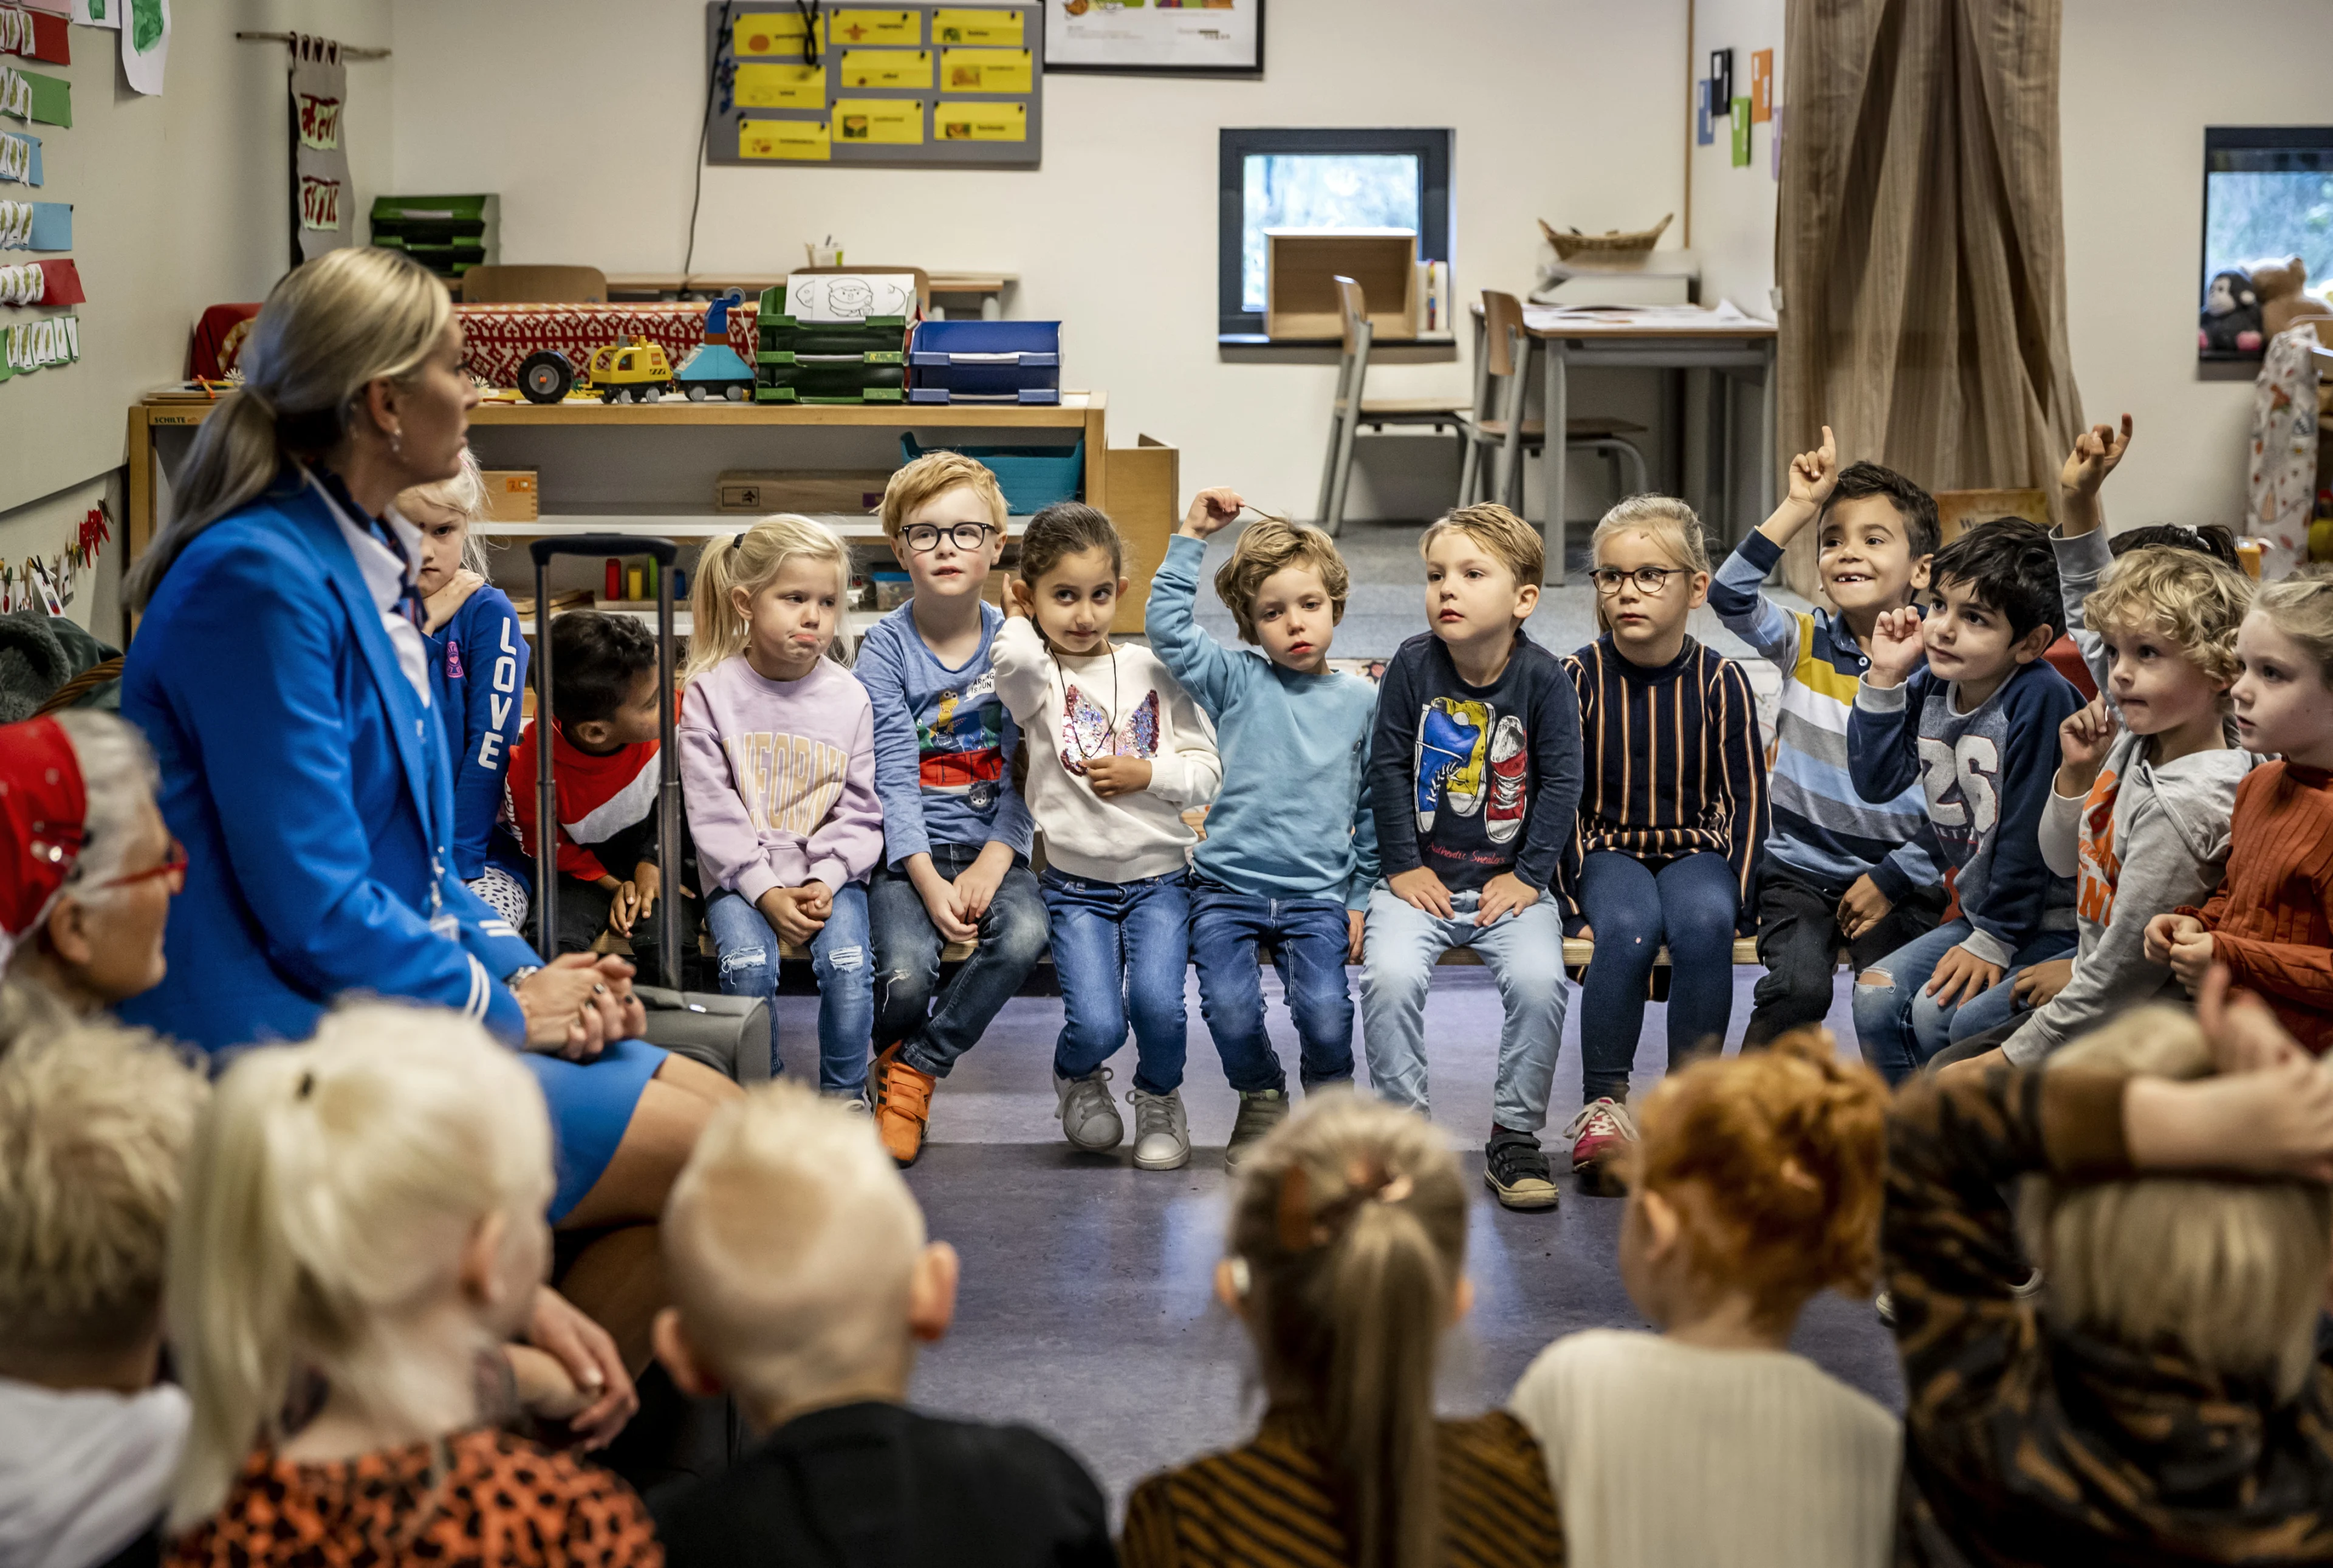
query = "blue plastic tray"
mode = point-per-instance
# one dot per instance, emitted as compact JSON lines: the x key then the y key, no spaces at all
{"x":986,"y":362}
{"x":1031,"y":477}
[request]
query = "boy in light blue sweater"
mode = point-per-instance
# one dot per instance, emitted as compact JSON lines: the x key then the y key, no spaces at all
{"x":1290,"y":846}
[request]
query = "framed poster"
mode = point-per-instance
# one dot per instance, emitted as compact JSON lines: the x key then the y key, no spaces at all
{"x":1155,"y":37}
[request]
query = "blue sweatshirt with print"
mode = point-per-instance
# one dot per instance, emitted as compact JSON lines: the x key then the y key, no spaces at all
{"x":943,"y":742}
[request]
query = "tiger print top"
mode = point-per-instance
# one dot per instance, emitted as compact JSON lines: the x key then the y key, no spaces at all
{"x":1268,"y":1504}
{"x":485,"y":1499}
{"x":2028,"y":1443}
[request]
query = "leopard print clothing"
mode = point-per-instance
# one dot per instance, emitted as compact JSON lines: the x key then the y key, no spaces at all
{"x":484,"y":1500}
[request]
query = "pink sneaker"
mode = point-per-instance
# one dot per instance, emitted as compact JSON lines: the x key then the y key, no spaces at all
{"x":1601,"y":1133}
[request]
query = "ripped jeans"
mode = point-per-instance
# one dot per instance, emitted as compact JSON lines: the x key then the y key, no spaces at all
{"x":838,"y":955}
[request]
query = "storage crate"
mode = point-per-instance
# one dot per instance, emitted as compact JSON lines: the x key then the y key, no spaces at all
{"x":985,"y":362}
{"x":778,"y":332}
{"x":755,"y":491}
{"x":449,"y":234}
{"x":788,"y":378}
{"x":1031,"y":477}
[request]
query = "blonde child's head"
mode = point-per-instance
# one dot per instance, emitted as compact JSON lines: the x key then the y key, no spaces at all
{"x":2284,"y":695}
{"x":1500,"y":535}
{"x":367,"y":1205}
{"x":94,"y":1124}
{"x":2169,"y":617}
{"x":1072,"y":574}
{"x":1348,"y":1260}
{"x":776,"y":588}
{"x":2230,"y":1272}
{"x":1644,"y":540}
{"x":928,"y":506}
{"x":1263,"y":553}
{"x":447,"y":513}
{"x":1756,"y":1176}
{"x":797,"y":1258}
{"x":1482,"y":571}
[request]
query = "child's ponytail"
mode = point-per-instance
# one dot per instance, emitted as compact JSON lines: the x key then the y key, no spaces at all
{"x":751,"y":559}
{"x":1350,"y":1227}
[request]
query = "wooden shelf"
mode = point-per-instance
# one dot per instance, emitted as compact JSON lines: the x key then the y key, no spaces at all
{"x":1071,"y":413}
{"x":631,"y":284}
{"x":855,"y":528}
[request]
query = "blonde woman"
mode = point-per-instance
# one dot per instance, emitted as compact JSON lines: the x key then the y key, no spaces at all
{"x":282,"y":677}
{"x":777,"y":755}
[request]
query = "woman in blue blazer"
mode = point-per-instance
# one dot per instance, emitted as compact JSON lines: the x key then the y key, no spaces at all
{"x":281,"y":674}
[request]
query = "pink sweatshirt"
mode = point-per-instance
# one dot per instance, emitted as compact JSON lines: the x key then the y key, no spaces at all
{"x":779,"y":776}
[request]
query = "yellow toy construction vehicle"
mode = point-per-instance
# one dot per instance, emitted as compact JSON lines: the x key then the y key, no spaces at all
{"x":634,"y":372}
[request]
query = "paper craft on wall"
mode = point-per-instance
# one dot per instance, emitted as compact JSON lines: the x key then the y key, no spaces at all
{"x":48,"y":585}
{"x":55,"y":8}
{"x":41,"y":283}
{"x":37,"y":345}
{"x":321,"y":219}
{"x":35,"y":34}
{"x":1741,"y":133}
{"x":35,"y":226}
{"x":1217,"y":38}
{"x":20,"y":158}
{"x":98,"y":13}
{"x":1705,"y":129}
{"x":1761,"y":85}
{"x":146,"y":43}
{"x":32,"y":96}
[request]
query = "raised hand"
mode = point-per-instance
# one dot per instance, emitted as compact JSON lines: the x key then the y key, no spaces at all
{"x":1211,"y":511}
{"x":2096,"y":452}
{"x":1897,"y":649}
{"x":2083,"y":741}
{"x":1814,"y":475}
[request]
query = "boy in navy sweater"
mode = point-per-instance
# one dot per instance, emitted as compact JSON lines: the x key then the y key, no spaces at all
{"x":1978,"y":729}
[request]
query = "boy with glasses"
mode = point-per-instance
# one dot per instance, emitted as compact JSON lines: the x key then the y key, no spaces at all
{"x":955,"y":856}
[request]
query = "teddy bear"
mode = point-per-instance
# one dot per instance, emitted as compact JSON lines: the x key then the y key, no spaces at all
{"x":2281,"y":282}
{"x":2231,"y":315}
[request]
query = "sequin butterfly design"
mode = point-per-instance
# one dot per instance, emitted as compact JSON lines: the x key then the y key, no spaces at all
{"x":1086,"y":733}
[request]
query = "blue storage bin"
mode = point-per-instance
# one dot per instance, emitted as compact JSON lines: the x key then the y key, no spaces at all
{"x":1031,"y":477}
{"x":985,"y":362}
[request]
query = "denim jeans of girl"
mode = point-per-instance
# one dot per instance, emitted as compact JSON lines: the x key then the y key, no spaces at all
{"x":1121,"y":950}
{"x":749,"y":945}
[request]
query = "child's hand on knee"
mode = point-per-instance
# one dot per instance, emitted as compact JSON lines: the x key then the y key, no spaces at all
{"x":1357,"y":925}
{"x":788,"y":910}
{"x":1962,"y":976}
{"x":1864,"y":907}
{"x":1505,"y":894}
{"x":1420,"y":888}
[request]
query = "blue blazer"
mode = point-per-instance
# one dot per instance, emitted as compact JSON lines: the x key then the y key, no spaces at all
{"x":310,"y":787}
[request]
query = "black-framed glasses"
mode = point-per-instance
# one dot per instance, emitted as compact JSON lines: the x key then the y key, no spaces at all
{"x":1649,"y":580}
{"x":924,"y":537}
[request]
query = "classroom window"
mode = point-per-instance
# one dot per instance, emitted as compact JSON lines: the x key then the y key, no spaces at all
{"x":1282,"y":179}
{"x":2268,"y":191}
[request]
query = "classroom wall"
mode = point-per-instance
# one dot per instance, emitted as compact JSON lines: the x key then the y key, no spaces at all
{"x":1733,"y":209}
{"x":583,"y":114}
{"x":180,"y":201}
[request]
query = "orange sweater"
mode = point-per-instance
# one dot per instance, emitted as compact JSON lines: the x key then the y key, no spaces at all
{"x":2271,"y":921}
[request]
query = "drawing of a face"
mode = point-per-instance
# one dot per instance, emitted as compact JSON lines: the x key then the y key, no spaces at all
{"x":851,"y":298}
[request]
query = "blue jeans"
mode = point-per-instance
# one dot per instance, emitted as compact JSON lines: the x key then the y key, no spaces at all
{"x":748,"y":945}
{"x":1899,"y":1026}
{"x":1523,"y":952}
{"x":908,"y":961}
{"x":1309,"y":941}
{"x":1690,"y":904}
{"x":1121,"y":949}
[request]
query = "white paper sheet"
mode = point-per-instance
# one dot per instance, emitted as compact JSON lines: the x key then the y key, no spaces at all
{"x":99,"y":13}
{"x":145,"y":43}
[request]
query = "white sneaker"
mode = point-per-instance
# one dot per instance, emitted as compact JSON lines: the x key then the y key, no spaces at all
{"x":1162,"y":1133}
{"x":1259,"y":1114}
{"x":1089,"y":1120}
{"x":857,"y":1105}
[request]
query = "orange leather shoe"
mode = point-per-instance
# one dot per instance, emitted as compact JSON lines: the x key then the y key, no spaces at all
{"x":903,"y":1106}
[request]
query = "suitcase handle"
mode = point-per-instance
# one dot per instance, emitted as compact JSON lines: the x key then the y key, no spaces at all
{"x":546,"y":808}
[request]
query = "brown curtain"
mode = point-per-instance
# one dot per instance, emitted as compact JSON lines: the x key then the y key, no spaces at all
{"x":1920,"y":242}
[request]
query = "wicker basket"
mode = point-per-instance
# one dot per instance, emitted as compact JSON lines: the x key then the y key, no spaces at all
{"x":1612,"y":249}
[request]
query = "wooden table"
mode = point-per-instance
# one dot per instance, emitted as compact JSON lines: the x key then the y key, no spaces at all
{"x":1662,"y":339}
{"x":989,"y":288}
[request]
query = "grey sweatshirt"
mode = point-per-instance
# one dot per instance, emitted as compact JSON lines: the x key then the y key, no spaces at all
{"x":2146,"y":841}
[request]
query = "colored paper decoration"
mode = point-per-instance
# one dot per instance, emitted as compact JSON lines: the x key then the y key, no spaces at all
{"x":48,"y":282}
{"x":30,"y":95}
{"x":35,"y":226}
{"x":35,"y":34}
{"x":20,"y":158}
{"x":320,"y":188}
{"x":37,"y":345}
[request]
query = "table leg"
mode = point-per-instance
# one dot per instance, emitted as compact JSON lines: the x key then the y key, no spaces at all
{"x":1554,"y":461}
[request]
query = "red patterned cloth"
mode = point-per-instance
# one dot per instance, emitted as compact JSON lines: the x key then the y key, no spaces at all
{"x":499,"y":338}
{"x":217,"y":341}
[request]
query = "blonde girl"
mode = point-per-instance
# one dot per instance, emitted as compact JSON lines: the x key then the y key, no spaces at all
{"x":1345,"y":1265}
{"x":2272,"y":920}
{"x":1673,"y":812}
{"x":362,"y":1215}
{"x":777,"y":758}
{"x":1115,"y":751}
{"x":1755,"y":1186}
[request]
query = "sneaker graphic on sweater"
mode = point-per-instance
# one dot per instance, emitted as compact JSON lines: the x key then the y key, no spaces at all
{"x":1450,"y":733}
{"x":961,"y":752}
{"x":1509,"y":796}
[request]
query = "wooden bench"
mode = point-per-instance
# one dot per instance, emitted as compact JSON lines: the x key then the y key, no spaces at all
{"x":1577,"y":951}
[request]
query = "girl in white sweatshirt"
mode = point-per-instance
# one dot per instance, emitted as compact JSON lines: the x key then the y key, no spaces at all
{"x":1115,"y":752}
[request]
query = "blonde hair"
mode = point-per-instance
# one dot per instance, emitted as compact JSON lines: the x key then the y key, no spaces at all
{"x":2184,"y":594}
{"x":329,"y":329}
{"x":790,"y":1240}
{"x":1665,"y":518}
{"x":751,"y":560}
{"x":465,"y":492}
{"x":94,"y":1124}
{"x":1515,"y":543}
{"x":2230,"y":1272}
{"x":1276,"y":545}
{"x":2301,"y":607}
{"x":1350,"y":1221}
{"x":933,"y":476}
{"x":1773,"y":1161}
{"x":332,"y":1188}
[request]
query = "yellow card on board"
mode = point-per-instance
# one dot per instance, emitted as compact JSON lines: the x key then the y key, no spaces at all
{"x":887,"y":68}
{"x":772,"y":86}
{"x":893,"y":27}
{"x":796,"y":139}
{"x":879,"y":122}
{"x":758,"y":35}
{"x":986,"y":70}
{"x":960,"y":25}
{"x":982,"y":122}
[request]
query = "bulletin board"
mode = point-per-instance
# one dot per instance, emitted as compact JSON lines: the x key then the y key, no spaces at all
{"x":905,"y":85}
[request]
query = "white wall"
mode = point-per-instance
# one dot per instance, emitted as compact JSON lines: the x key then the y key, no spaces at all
{"x":1563,"y":109}
{"x":180,"y":201}
{"x":1733,"y":209}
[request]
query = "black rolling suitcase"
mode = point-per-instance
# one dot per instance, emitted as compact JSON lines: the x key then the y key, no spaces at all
{"x":730,"y":1035}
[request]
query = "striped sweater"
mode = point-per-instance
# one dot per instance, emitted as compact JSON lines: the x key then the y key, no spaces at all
{"x":1670,"y":761}
{"x":1270,"y":1506}
{"x":1823,"y":830}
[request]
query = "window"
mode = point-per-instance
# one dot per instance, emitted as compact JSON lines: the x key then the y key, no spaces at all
{"x":2268,"y":191}
{"x":1322,"y":180}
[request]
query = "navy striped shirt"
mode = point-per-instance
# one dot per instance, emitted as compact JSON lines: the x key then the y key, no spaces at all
{"x":1671,"y":759}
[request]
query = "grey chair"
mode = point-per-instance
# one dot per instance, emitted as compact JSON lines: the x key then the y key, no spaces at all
{"x":1352,"y":408}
